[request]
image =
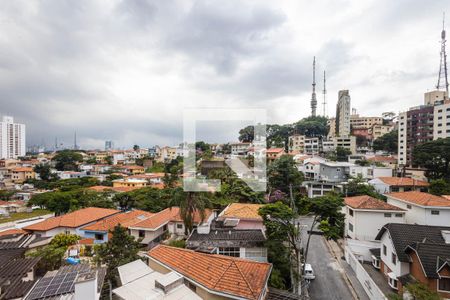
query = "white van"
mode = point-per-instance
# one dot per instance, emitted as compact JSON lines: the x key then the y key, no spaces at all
{"x":309,"y":272}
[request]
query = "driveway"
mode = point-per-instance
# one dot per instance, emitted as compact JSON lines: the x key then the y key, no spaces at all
{"x":329,"y":282}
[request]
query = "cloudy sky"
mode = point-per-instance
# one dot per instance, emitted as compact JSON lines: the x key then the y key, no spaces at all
{"x":125,"y":70}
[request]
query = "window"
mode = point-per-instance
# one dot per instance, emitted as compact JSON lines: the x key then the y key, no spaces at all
{"x":179,"y":226}
{"x":67,"y":231}
{"x":350,"y":227}
{"x":435,"y":212}
{"x":230,"y":251}
{"x":350,"y":211}
{"x":99,"y":236}
{"x":387,"y":215}
{"x":384,"y":250}
{"x":393,"y":283}
{"x":141,"y":233}
{"x":408,"y":206}
{"x":398,"y":215}
{"x":395,"y":189}
{"x":444,"y":284}
{"x":258,"y":254}
{"x":165,"y":227}
{"x":394,"y":258}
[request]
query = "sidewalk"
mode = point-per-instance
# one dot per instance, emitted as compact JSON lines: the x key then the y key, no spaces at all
{"x":347,"y":272}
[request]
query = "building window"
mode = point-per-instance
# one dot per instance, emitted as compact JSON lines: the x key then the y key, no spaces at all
{"x":395,"y":189}
{"x":435,"y":212}
{"x":99,"y":236}
{"x":165,"y":227}
{"x":394,"y":258}
{"x":408,"y":206}
{"x":393,"y":283}
{"x":444,"y":284}
{"x":229,"y":251}
{"x":350,"y":211}
{"x":141,"y":233}
{"x":179,"y":226}
{"x":384,"y":250}
{"x":66,"y":231}
{"x":350,"y":227}
{"x":387,"y":215}
{"x":398,"y":215}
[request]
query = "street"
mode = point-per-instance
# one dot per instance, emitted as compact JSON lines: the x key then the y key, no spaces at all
{"x":329,"y":283}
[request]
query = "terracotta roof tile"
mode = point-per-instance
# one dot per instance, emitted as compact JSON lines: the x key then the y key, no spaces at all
{"x":12,"y":231}
{"x":367,"y":202}
{"x":382,"y":159}
{"x":22,"y":169}
{"x":420,"y":198}
{"x":274,"y":150}
{"x":165,"y":216}
{"x":403,"y":181}
{"x":242,"y":211}
{"x":73,"y":219}
{"x":126,"y":219}
{"x":224,"y":274}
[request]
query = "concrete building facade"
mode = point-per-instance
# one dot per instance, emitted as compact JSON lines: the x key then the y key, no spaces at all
{"x":12,"y":138}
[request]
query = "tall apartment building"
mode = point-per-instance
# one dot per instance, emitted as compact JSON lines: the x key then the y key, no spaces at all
{"x":297,"y":143}
{"x":109,"y":145}
{"x":441,"y":120}
{"x":357,"y":121}
{"x":343,"y":114}
{"x":331,"y":123}
{"x":12,"y":138}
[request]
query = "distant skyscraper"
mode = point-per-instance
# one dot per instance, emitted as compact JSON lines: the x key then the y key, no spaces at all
{"x":109,"y":145}
{"x":12,"y":138}
{"x":343,"y":114}
{"x":313,"y":96}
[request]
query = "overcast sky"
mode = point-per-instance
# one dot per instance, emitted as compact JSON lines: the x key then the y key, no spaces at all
{"x":125,"y":70}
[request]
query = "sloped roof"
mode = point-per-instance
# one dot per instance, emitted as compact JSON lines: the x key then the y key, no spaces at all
{"x":368,"y":202}
{"x":403,"y":181}
{"x":242,"y":211}
{"x":171,"y":214}
{"x":12,"y":232}
{"x":403,"y":235}
{"x":429,"y":255}
{"x":219,"y":273}
{"x":382,"y":159}
{"x":74,"y":219}
{"x":420,"y":198}
{"x":125,"y":219}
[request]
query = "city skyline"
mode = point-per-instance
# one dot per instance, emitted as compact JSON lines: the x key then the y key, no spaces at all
{"x":129,"y":80}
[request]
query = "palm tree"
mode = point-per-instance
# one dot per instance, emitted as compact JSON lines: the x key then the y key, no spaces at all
{"x":191,"y":203}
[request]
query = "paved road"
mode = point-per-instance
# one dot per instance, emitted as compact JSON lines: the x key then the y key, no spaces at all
{"x":329,"y":283}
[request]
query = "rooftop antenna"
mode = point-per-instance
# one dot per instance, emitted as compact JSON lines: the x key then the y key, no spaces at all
{"x":443,"y":63}
{"x":313,"y":96}
{"x":324,"y":92}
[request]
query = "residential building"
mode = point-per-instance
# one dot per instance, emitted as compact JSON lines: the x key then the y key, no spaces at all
{"x":422,"y":208}
{"x":402,"y":154}
{"x":387,"y":161}
{"x":297,"y":143}
{"x":77,"y":282}
{"x":311,"y":170}
{"x":394,"y":261}
{"x":22,"y":174}
{"x":313,"y":145}
{"x":213,"y":276}
{"x":430,"y":98}
{"x":398,"y":184}
{"x":335,"y":171}
{"x":132,"y":170}
{"x":332,"y":127}
{"x":12,"y":138}
{"x":343,"y":114}
{"x":319,"y":188}
{"x":274,"y":153}
{"x":239,"y":148}
{"x":140,"y":282}
{"x":441,"y":120}
{"x":357,"y":121}
{"x":365,"y":216}
{"x":136,"y":183}
{"x":71,"y":222}
{"x":246,"y":215}
{"x":17,"y":277}
{"x":99,"y":231}
{"x":346,"y":142}
{"x":378,"y":130}
{"x":168,"y":153}
{"x":167,"y":221}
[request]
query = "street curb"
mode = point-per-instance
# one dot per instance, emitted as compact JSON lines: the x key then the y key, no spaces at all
{"x":344,"y":276}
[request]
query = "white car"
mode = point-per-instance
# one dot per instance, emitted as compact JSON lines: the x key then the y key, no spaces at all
{"x":309,"y":272}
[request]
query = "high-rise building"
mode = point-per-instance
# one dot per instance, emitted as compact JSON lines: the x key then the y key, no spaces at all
{"x":343,"y":114}
{"x":109,"y":145}
{"x":12,"y":138}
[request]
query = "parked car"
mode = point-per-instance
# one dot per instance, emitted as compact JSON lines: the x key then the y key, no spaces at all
{"x":309,"y":272}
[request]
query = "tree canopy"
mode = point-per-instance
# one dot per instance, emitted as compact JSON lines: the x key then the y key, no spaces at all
{"x":283,"y":173}
{"x":435,"y":157}
{"x":387,"y":142}
{"x":67,"y":160}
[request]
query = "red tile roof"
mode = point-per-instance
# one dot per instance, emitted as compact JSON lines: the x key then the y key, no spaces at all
{"x":12,"y":231}
{"x":171,"y":214}
{"x":367,"y":202}
{"x":219,"y":273}
{"x":403,"y":181}
{"x":419,"y":198}
{"x":74,"y":219}
{"x":383,"y":159}
{"x":86,"y":241}
{"x":126,"y":219}
{"x":244,"y":211}
{"x":274,"y":150}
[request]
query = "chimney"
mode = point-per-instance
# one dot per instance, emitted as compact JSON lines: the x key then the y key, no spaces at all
{"x":168,"y":282}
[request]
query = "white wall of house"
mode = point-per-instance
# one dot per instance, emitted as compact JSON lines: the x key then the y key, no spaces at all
{"x":367,"y":223}
{"x":400,"y":268}
{"x":423,"y":215}
{"x":149,"y":234}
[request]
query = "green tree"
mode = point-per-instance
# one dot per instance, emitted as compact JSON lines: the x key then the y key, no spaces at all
{"x":434,"y":156}
{"x":136,"y":147}
{"x":387,"y":142}
{"x":44,"y":171}
{"x":420,"y":291}
{"x":358,"y":187}
{"x":342,"y":154}
{"x":312,"y":126}
{"x":190,"y":203}
{"x":91,"y":161}
{"x":284,"y":175}
{"x":64,"y":240}
{"x":6,"y":195}
{"x":439,"y":187}
{"x":67,"y":160}
{"x":109,"y":160}
{"x":121,"y":249}
{"x":247,"y":134}
{"x":281,"y":230}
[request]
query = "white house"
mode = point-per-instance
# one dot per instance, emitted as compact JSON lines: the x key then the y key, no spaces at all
{"x":422,"y":208}
{"x":365,"y":216}
{"x":398,"y":184}
{"x":370,"y":172}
